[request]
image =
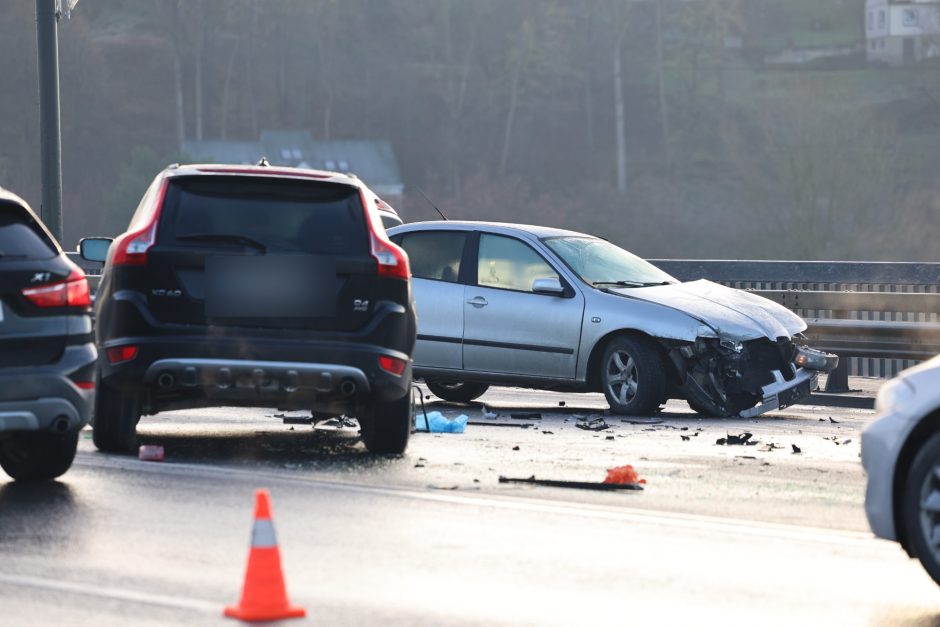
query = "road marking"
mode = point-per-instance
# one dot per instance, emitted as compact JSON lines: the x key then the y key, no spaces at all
{"x":119,"y":594}
{"x":853,"y":539}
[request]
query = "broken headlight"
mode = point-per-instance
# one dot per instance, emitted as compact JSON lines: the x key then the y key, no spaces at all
{"x":813,"y":359}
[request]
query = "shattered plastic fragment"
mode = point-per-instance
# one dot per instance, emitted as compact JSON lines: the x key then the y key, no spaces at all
{"x":526,"y":416}
{"x":150,"y":453}
{"x":583,"y":485}
{"x":796,"y":449}
{"x":623,"y":474}
{"x":598,"y":424}
{"x":436,"y":422}
{"x":742,"y":439}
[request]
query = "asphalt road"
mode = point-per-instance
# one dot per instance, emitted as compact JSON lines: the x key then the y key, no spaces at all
{"x":721,"y":534}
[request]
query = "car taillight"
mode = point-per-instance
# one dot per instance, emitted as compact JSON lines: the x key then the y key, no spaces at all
{"x":85,"y":385}
{"x":117,"y":354}
{"x":72,"y":292}
{"x":392,"y":364}
{"x":130,"y":249}
{"x":392,"y":260}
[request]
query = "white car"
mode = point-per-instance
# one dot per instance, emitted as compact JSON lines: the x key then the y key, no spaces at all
{"x":901,"y":455}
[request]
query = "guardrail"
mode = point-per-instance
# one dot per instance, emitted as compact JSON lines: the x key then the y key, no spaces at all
{"x":879,"y":317}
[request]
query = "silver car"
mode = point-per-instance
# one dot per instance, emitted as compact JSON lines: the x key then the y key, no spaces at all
{"x":509,"y":304}
{"x":901,"y":455}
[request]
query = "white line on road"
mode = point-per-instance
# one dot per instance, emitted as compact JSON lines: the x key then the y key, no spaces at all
{"x":778,"y":531}
{"x":119,"y":594}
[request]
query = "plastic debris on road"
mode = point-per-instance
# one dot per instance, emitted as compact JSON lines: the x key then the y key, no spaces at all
{"x":580,"y":485}
{"x":436,"y":422}
{"x":623,"y":474}
{"x":150,"y":453}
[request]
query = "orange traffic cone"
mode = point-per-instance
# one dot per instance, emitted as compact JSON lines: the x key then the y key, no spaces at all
{"x":264,"y":596}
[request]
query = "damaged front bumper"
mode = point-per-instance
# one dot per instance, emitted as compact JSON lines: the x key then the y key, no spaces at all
{"x":746,"y":379}
{"x":782,"y":393}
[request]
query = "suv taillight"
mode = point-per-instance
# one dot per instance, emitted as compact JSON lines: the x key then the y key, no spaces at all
{"x":392,"y":260}
{"x":72,"y":292}
{"x":130,"y":249}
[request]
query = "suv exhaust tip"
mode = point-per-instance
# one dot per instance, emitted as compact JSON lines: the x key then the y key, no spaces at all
{"x":347,"y":387}
{"x":60,"y":425}
{"x":166,"y":380}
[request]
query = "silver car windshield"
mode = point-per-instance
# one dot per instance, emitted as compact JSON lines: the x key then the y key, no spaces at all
{"x":601,"y":264}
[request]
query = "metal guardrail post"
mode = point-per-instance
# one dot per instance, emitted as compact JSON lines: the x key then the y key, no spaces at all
{"x":838,"y":379}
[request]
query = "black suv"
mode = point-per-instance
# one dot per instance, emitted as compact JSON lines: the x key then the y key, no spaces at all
{"x":47,"y":354}
{"x":254,"y":286}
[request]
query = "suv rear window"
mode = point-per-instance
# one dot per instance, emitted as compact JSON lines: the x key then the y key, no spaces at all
{"x":283,"y":214}
{"x":19,"y":239}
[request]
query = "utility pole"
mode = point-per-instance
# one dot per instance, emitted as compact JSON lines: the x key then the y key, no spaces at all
{"x":47,"y":36}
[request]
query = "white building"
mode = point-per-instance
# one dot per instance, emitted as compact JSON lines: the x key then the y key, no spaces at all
{"x":899,"y":32}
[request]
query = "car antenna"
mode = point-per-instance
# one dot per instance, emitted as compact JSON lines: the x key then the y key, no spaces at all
{"x":430,"y":203}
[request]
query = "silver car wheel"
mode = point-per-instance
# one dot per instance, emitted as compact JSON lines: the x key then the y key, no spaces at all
{"x":621,"y":377}
{"x":930,"y":510}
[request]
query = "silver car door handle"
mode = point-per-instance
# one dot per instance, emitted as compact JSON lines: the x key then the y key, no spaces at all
{"x":478,"y":302}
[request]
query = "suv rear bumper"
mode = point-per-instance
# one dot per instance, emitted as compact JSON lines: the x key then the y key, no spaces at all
{"x":180,"y":372}
{"x":44,"y":398}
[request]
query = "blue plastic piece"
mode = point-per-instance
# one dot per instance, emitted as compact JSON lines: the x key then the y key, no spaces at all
{"x":439,"y":423}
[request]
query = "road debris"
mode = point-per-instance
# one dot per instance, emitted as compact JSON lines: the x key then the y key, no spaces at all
{"x":581,"y":485}
{"x":518,"y":425}
{"x":515,"y":448}
{"x":796,"y":449}
{"x":420,"y":463}
{"x":561,"y":403}
{"x":833,"y":420}
{"x":548,"y":432}
{"x":685,"y":438}
{"x":610,"y":437}
{"x":489,"y":415}
{"x":150,"y":453}
{"x":623,"y":475}
{"x":436,"y":422}
{"x":651,"y":421}
{"x":743,"y":439}
{"x":596,"y":424}
{"x":526,"y":416}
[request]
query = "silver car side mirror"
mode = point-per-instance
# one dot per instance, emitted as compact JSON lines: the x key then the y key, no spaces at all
{"x":548,"y":286}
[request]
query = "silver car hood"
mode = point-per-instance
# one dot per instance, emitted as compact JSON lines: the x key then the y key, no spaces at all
{"x":735,"y":314}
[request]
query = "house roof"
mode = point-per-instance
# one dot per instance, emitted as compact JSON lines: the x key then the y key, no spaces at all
{"x":373,"y":161}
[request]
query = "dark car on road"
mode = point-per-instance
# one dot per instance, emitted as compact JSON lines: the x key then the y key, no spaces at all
{"x":254,"y":286}
{"x":47,"y":353}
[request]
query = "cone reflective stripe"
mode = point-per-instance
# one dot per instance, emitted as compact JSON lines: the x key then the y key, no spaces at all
{"x":264,"y":595}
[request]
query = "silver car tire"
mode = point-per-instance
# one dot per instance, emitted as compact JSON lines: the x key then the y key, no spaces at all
{"x":632,"y":376}
{"x":920,"y":506}
{"x":456,"y":391}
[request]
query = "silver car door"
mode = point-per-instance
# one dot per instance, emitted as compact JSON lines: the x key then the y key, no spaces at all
{"x":510,"y":329}
{"x":435,"y":258}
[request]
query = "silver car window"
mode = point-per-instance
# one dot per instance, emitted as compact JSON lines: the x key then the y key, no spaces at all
{"x":598,"y":261}
{"x":434,"y":255}
{"x":510,"y":264}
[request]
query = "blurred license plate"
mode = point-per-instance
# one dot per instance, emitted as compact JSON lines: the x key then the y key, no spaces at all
{"x":270,"y":286}
{"x":794,"y":394}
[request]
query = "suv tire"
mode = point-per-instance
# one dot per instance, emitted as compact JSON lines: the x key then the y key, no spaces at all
{"x":917,"y":522}
{"x":632,"y":376}
{"x":456,"y":391}
{"x":37,"y":456}
{"x":115,"y":421}
{"x":386,"y":426}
